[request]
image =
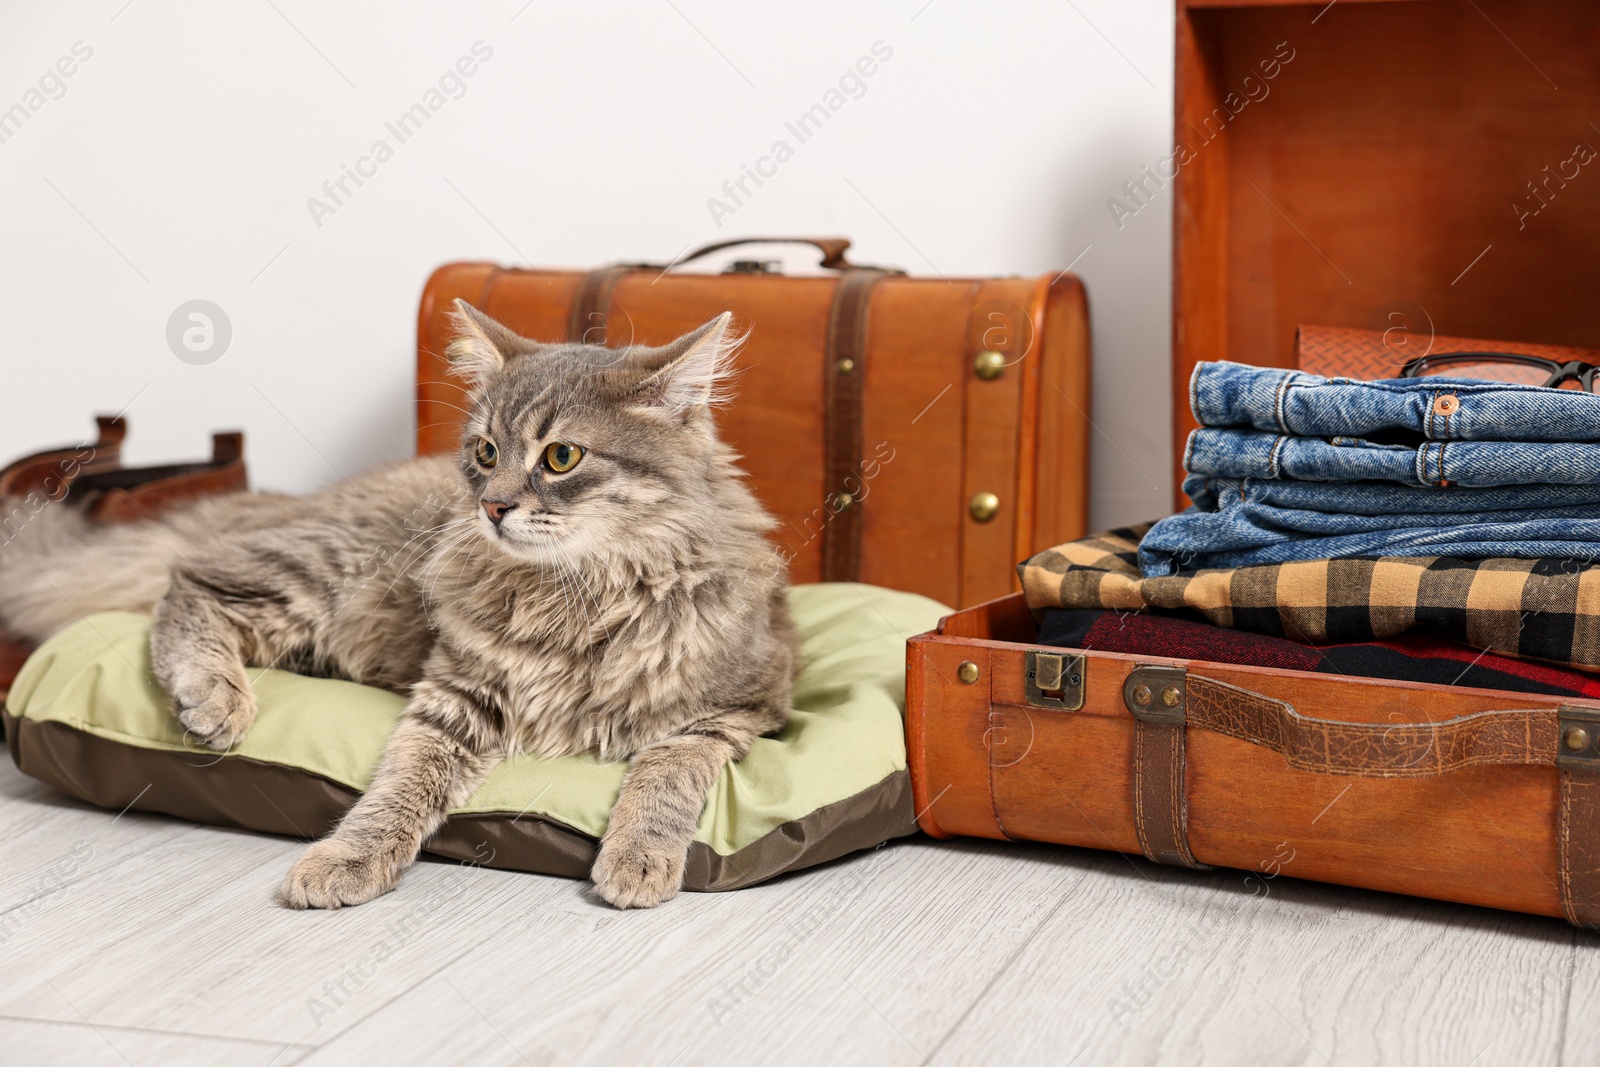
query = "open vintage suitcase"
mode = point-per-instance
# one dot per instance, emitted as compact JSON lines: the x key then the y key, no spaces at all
{"x":900,"y":428}
{"x":1354,"y":188}
{"x":91,"y":476}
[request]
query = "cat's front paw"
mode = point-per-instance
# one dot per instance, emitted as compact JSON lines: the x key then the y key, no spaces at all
{"x":332,"y":873}
{"x":215,"y":715}
{"x":631,"y":874}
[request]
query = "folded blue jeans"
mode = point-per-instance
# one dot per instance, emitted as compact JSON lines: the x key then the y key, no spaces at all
{"x":1439,"y":409}
{"x":1244,"y":523}
{"x":1291,"y":466}
{"x":1255,"y":454}
{"x":1381,"y":498}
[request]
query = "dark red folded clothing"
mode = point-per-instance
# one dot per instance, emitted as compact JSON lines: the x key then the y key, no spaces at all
{"x":1412,"y":657}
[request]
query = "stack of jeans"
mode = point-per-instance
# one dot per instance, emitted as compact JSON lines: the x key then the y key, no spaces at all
{"x":1288,"y":466}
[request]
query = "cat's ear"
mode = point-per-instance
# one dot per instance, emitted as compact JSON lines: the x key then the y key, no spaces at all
{"x":481,"y":345}
{"x":691,"y":371}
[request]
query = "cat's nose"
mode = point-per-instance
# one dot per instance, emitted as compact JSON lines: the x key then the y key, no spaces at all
{"x":496,"y":509}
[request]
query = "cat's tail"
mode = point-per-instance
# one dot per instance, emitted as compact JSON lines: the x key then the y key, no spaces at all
{"x":56,"y":566}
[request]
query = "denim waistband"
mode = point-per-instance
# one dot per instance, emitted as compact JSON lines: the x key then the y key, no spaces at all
{"x":1440,"y":409}
{"x":1253,"y":454}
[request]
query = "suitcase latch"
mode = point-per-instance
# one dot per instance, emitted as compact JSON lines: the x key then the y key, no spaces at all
{"x":1054,"y":680}
{"x":1157,"y":694}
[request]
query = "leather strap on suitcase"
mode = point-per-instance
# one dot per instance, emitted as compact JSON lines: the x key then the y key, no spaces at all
{"x":843,"y":369}
{"x":1165,"y":701}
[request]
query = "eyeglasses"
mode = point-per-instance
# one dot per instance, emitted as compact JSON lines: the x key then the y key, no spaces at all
{"x":1513,"y":367}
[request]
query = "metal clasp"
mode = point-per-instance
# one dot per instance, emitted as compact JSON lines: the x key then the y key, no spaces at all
{"x":754,"y":266}
{"x":1054,"y":680}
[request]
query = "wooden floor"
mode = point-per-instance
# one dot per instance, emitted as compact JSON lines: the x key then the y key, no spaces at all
{"x":144,"y":940}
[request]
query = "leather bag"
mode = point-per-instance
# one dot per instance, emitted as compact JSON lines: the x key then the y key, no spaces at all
{"x":916,"y":433}
{"x":1471,"y":795}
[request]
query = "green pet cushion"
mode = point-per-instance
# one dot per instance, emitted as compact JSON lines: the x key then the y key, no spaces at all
{"x":86,"y":716}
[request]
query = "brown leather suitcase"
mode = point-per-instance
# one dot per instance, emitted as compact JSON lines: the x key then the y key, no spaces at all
{"x":48,"y":475}
{"x":1469,"y":795}
{"x":92,"y":477}
{"x":916,"y":433}
{"x":128,"y":494}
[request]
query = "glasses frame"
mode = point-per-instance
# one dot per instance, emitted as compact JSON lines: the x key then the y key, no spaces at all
{"x":1572,"y":370}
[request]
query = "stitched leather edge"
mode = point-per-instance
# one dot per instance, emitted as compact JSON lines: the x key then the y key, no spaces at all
{"x":1160,"y":799}
{"x":1578,"y":840}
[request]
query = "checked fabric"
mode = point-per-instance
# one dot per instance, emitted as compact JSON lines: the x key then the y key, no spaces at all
{"x":1546,"y":609}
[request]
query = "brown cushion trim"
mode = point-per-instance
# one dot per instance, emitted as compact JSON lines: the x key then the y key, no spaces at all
{"x":252,"y":794}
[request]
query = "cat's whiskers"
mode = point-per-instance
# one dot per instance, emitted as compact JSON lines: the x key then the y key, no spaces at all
{"x":457,"y":407}
{"x":434,"y":556}
{"x":568,"y":592}
{"x":442,"y":555}
{"x":565,"y":559}
{"x":423,"y":551}
{"x":566,"y":597}
{"x":438,"y":562}
{"x":448,"y":524}
{"x":445,"y":381}
{"x":567,"y":584}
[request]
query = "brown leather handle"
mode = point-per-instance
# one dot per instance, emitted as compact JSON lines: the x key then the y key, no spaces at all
{"x":832,"y":249}
{"x":1374,"y":750}
{"x":586,"y":319}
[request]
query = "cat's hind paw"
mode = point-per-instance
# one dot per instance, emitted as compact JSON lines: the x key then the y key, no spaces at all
{"x":629,"y":874}
{"x":332,"y":873}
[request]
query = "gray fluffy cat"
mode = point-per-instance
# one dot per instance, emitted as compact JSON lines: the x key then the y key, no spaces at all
{"x":590,"y":573}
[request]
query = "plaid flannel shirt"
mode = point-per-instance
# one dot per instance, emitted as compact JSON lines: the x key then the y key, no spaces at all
{"x":1546,"y":609}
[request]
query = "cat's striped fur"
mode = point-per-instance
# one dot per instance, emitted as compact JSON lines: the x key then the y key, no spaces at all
{"x":630,"y":605}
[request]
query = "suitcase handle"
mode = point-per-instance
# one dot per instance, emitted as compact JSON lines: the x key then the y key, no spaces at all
{"x":1165,"y":700}
{"x":1532,"y":736}
{"x":832,"y":249}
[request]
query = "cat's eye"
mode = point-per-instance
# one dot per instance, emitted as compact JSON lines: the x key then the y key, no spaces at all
{"x":562,"y":457}
{"x":486,"y":453}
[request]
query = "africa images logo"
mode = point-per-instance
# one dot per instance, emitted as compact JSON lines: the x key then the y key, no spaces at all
{"x":199,"y":332}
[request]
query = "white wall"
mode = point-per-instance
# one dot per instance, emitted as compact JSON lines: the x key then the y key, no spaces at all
{"x":178,"y":162}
